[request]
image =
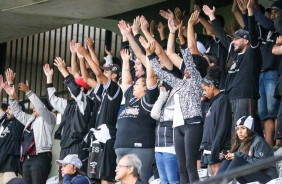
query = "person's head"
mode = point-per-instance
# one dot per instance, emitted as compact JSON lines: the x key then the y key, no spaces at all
{"x":211,"y":82}
{"x":201,"y":65}
{"x":70,"y":164}
{"x":244,"y":134}
{"x":211,"y":59}
{"x":112,"y":71}
{"x":244,"y":127}
{"x":129,"y":166}
{"x":139,"y":88}
{"x":138,"y":67}
{"x":274,"y":9}
{"x":9,"y":113}
{"x":241,"y":40}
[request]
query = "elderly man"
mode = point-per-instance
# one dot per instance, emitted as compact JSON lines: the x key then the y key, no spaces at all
{"x":128,"y":170}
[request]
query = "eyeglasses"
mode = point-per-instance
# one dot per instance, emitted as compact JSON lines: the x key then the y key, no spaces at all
{"x":119,"y":166}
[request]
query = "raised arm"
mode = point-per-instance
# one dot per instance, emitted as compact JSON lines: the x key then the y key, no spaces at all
{"x":57,"y":103}
{"x":126,"y":30}
{"x":74,"y":67}
{"x":151,"y":78}
{"x":254,"y":37}
{"x":23,"y":117}
{"x":219,"y":31}
{"x":237,"y":14}
{"x":90,"y":47}
{"x":85,"y":76}
{"x":126,"y":75}
{"x":175,"y":58}
{"x":202,"y":20}
{"x":48,"y":116}
{"x":101,"y":78}
{"x":192,"y":44}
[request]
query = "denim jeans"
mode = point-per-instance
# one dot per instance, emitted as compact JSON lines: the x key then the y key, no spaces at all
{"x":267,"y":104}
{"x":167,"y":168}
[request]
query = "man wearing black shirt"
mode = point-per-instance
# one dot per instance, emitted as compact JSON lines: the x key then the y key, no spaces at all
{"x":10,"y":141}
{"x":107,"y":114}
{"x":242,"y":79}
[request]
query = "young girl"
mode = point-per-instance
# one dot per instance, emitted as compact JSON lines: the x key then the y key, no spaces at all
{"x":248,"y":148}
{"x":218,"y":121}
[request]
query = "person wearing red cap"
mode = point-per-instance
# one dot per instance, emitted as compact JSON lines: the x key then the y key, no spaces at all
{"x":76,"y":112}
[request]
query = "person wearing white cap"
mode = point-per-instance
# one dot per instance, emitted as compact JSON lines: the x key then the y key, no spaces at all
{"x":70,"y":170}
{"x":248,"y":148}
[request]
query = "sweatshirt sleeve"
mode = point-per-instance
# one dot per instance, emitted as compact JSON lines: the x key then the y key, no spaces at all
{"x":21,"y":116}
{"x":48,"y":116}
{"x":59,"y":104}
{"x":164,"y":75}
{"x":156,"y":110}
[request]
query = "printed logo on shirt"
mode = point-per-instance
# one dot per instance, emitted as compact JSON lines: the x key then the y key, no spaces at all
{"x":5,"y":132}
{"x":208,"y":113}
{"x":131,"y":112}
{"x":261,"y":154}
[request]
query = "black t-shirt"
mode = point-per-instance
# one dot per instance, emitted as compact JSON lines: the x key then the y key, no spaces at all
{"x":269,"y":60}
{"x":96,"y":96}
{"x":136,"y":128}
{"x":10,"y":144}
{"x":108,"y":111}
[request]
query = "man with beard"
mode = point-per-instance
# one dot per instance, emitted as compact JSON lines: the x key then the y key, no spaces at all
{"x":10,"y":140}
{"x":242,"y":85}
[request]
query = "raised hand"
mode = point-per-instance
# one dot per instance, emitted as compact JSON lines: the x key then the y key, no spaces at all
{"x":10,"y":90}
{"x":69,"y":70}
{"x":160,"y":27}
{"x":250,"y":4}
{"x":80,"y":50}
{"x":125,"y":54}
{"x":136,"y":26}
{"x":171,"y":26}
{"x":124,"y":28}
{"x":194,"y":18}
{"x":178,"y":14}
{"x":167,"y":14}
{"x":149,"y":47}
{"x":197,"y":7}
{"x":10,"y":76}
{"x":209,"y":12}
{"x":242,"y":5}
{"x":144,"y":23}
{"x":24,"y":86}
{"x":60,"y":63}
{"x":89,"y":43}
{"x":72,"y":47}
{"x":47,"y":70}
{"x":180,"y":30}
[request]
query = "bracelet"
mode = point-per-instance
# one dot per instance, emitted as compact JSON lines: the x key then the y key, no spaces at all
{"x":172,"y":33}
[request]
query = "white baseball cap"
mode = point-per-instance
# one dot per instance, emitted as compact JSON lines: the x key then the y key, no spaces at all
{"x":70,"y":159}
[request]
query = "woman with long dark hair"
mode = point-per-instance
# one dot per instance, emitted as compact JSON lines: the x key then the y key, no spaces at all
{"x":248,"y":148}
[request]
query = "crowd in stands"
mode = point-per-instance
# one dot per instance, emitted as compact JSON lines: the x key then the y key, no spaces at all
{"x":175,"y":105}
